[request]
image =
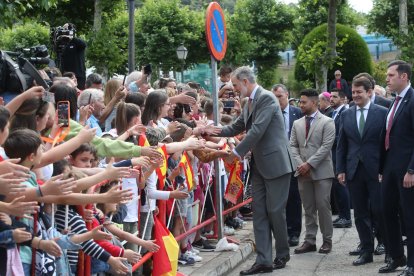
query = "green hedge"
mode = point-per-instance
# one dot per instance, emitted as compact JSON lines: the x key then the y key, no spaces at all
{"x":354,"y":54}
{"x":24,"y":36}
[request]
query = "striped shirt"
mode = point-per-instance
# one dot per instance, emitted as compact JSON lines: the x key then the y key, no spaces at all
{"x":78,"y":226}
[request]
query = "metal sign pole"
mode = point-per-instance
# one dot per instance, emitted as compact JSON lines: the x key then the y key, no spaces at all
{"x":131,"y":36}
{"x":219,"y":192}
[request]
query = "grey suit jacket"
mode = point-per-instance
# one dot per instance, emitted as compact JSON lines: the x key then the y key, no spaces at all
{"x":266,"y":136}
{"x":316,"y":149}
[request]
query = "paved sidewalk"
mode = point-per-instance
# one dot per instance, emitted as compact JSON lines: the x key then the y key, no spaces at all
{"x":338,"y":262}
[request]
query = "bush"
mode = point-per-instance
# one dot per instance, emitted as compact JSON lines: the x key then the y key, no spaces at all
{"x":24,"y":36}
{"x":354,"y":56}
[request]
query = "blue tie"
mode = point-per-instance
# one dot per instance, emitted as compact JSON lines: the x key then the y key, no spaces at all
{"x":334,"y":113}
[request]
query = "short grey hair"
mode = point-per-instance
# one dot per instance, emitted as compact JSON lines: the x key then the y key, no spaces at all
{"x":244,"y":72}
{"x":133,"y":76}
{"x":95,"y":95}
{"x":279,"y":85}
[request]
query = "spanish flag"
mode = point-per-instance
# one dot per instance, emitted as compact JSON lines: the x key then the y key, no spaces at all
{"x":235,"y":185}
{"x":165,"y":261}
{"x":162,"y":170}
{"x":188,"y":170}
{"x":142,"y":141}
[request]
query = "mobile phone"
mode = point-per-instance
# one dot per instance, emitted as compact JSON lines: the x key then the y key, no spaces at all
{"x":148,"y":69}
{"x":90,"y":98}
{"x":123,"y":82}
{"x":228,"y":104}
{"x":63,"y":113}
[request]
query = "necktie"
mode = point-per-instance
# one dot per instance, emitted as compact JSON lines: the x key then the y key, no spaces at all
{"x":308,"y":124}
{"x":334,"y":113}
{"x":361,"y":122}
{"x":250,"y":105}
{"x":389,"y":124}
{"x":284,"y":118}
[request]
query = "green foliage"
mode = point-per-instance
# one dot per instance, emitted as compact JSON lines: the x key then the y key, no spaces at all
{"x":312,"y":13}
{"x":24,"y":36}
{"x":379,"y":72}
{"x":257,"y":32}
{"x":353,"y":54}
{"x":384,"y":19}
{"x":13,"y":11}
{"x":162,"y":25}
{"x":108,"y":49}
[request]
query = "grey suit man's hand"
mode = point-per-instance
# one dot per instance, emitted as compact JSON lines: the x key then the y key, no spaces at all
{"x":212,"y":130}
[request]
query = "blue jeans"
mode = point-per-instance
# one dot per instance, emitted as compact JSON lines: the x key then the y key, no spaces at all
{"x":27,"y":268}
{"x":98,"y":266}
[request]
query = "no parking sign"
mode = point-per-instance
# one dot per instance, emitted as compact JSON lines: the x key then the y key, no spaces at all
{"x":216,"y":32}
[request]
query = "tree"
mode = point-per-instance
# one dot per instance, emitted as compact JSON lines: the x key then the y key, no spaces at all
{"x":162,"y":25}
{"x":14,"y":11}
{"x":24,"y":36}
{"x":312,"y":13}
{"x":384,"y":18}
{"x":257,"y":32}
{"x":353,"y":54}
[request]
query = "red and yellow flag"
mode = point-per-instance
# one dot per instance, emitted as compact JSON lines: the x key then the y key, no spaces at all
{"x":165,"y":261}
{"x":188,"y":170}
{"x":162,"y":170}
{"x":235,"y":185}
{"x":142,"y":141}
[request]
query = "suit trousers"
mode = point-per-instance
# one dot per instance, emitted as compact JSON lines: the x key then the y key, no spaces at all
{"x":395,"y":195}
{"x":315,"y":195}
{"x":294,"y":209}
{"x":269,"y":204}
{"x":342,"y":199}
{"x":366,"y":200}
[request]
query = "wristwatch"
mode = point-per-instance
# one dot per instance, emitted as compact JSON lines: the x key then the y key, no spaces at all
{"x":410,"y":171}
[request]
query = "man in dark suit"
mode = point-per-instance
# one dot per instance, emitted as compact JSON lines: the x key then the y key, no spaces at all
{"x":294,"y":204}
{"x":397,"y":168}
{"x":271,"y":167}
{"x":339,"y":83}
{"x":376,"y":99}
{"x":341,"y":193}
{"x":324,"y":104}
{"x":358,"y":163}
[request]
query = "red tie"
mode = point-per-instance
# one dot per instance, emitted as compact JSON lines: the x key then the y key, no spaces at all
{"x":308,"y":123}
{"x":389,"y":125}
{"x":250,"y":105}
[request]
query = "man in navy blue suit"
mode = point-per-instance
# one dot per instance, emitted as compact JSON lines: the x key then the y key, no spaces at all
{"x":357,"y":163}
{"x":294,"y":204}
{"x":340,"y":192}
{"x":397,"y":168}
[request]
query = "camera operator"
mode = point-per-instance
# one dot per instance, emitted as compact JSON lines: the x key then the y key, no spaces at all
{"x":73,"y":56}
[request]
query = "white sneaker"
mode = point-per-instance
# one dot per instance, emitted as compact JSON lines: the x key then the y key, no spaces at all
{"x":195,"y":251}
{"x":229,"y":231}
{"x":193,"y":256}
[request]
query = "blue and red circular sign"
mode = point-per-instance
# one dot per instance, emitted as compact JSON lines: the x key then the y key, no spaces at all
{"x":216,"y":32}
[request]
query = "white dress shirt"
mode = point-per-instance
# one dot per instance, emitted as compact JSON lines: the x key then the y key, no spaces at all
{"x":402,"y":95}
{"x":358,"y":113}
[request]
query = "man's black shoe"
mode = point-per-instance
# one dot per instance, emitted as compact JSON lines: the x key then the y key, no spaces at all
{"x":279,"y":263}
{"x":257,"y":268}
{"x":357,"y":251}
{"x":293,"y":241}
{"x":408,"y":271}
{"x":363,"y":259}
{"x":343,"y":223}
{"x":393,"y":265}
{"x":380,"y":249}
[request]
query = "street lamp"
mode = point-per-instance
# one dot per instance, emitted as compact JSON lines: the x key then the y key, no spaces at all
{"x":182,"y":55}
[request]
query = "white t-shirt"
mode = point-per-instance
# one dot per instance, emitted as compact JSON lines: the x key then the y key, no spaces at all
{"x":132,"y":206}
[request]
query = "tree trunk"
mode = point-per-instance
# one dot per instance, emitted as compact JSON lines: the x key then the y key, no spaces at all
{"x":97,"y":16}
{"x":403,"y":17}
{"x":330,"y":53}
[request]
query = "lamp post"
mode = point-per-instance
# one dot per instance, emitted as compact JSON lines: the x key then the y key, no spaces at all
{"x":182,"y":55}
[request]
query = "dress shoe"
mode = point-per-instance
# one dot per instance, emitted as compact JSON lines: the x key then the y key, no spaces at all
{"x":305,"y":248}
{"x":387,"y":258}
{"x":380,"y":249}
{"x":408,"y":271}
{"x":363,"y":259}
{"x":293,"y":241}
{"x":343,"y":223}
{"x":357,"y":251}
{"x":325,"y":248}
{"x":393,"y":265}
{"x":279,"y":263}
{"x":257,"y":268}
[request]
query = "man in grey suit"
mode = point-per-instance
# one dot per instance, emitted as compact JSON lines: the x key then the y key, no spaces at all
{"x":271,"y":167}
{"x":358,"y":160}
{"x":311,"y":142}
